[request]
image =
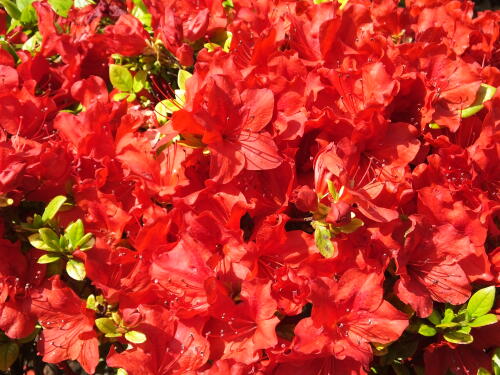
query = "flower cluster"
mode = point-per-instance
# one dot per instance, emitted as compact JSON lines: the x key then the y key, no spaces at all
{"x":249,"y":187}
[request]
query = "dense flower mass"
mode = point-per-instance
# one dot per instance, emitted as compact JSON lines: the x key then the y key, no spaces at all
{"x":249,"y":187}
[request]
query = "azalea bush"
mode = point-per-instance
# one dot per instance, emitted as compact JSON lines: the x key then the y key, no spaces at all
{"x":249,"y":187}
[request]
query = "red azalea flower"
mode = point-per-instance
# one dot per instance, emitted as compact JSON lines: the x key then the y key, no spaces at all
{"x":20,"y":278}
{"x":429,"y":267}
{"x":232,"y":126}
{"x":68,"y":326}
{"x":346,"y":316}
{"x":240,"y":331}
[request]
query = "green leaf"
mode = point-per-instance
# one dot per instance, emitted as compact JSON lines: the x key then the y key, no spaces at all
{"x":163,"y":109}
{"x":141,"y":13}
{"x":48,"y":258}
{"x":427,"y":330}
{"x":53,"y":207}
{"x":433,"y":125}
{"x":8,"y":355}
{"x":484,"y":320}
{"x":61,"y":7}
{"x":83,"y":3}
{"x":106,"y":325}
{"x":342,"y":3}
{"x":74,"y":233}
{"x":322,"y":237}
{"x":447,"y":325}
{"x":34,"y":43}
{"x":50,"y":238}
{"x":333,"y":191}
{"x":115,"y":334}
{"x":135,"y":337}
{"x":91,"y":303}
{"x":11,"y":9}
{"x":481,"y":302}
{"x":120,"y":96}
{"x":485,"y":93}
{"x":116,"y":318}
{"x":352,"y":226}
{"x":86,"y":242}
{"x":449,"y":314}
{"x":435,"y":317}
{"x":182,"y":77}
{"x":228,"y":4}
{"x":28,"y":15}
{"x":495,"y":361}
{"x":131,"y":98}
{"x":121,"y":78}
{"x":483,"y":371}
{"x":458,"y":337}
{"x":76,"y":269}
{"x":37,"y":242}
{"x":139,"y":81}
{"x":464,"y":329}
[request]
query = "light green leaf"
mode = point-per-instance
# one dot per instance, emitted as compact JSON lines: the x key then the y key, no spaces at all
{"x":139,"y":81}
{"x":227,"y":43}
{"x":485,"y":93}
{"x":28,"y":15}
{"x":182,"y":77}
{"x":433,"y":125}
{"x":484,"y":320}
{"x":464,"y":329}
{"x":83,"y":3}
{"x":483,"y":371}
{"x":135,"y":337}
{"x":121,"y":78}
{"x":86,"y":242}
{"x":116,"y":318}
{"x":448,"y":315}
{"x":8,"y":355}
{"x":435,"y":317}
{"x":353,"y":226}
{"x":333,"y":191}
{"x":61,"y":7}
{"x":481,"y":302}
{"x":228,"y":4}
{"x":163,"y":109}
{"x":50,"y":238}
{"x":114,"y":334}
{"x":53,"y":207}
{"x":34,"y":43}
{"x":448,"y":325}
{"x":458,"y":337}
{"x":37,"y":242}
{"x":141,"y":13}
{"x":322,"y":238}
{"x":120,"y":96}
{"x":11,"y":9}
{"x":91,"y":303}
{"x":427,"y":330}
{"x":495,"y":361}
{"x":76,"y":269}
{"x":131,"y":98}
{"x":74,"y":233}
{"x":106,"y":325}
{"x":48,"y":258}
{"x":121,"y":371}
